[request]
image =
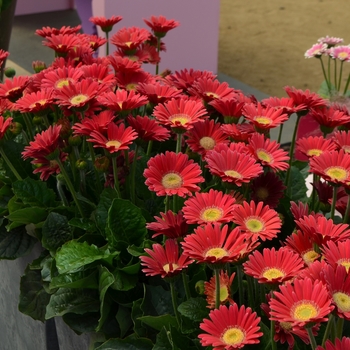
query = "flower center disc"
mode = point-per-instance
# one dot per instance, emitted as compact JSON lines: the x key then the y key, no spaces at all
{"x":314,"y":152}
{"x":40,"y":102}
{"x":207,"y":142}
{"x":113,"y":143}
{"x":304,"y":311}
{"x":264,"y":156}
{"x":223,"y":293}
{"x":211,"y":214}
{"x":263,"y":120}
{"x":345,"y":263}
{"x":167,"y":268}
{"x":286,"y":325}
{"x":216,"y":252}
{"x":233,"y":336}
{"x":181,"y":119}
{"x":346,"y":148}
{"x":233,"y":173}
{"x":336,"y":173}
{"x":254,"y":225}
{"x":272,"y":273}
{"x":342,"y":300}
{"x":211,"y":94}
{"x":310,"y":256}
{"x":62,"y":82}
{"x":343,"y":55}
{"x":172,"y":180}
{"x":262,"y":193}
{"x":78,"y":99}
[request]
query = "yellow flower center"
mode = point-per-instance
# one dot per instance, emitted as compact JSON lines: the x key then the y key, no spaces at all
{"x":342,"y":300}
{"x":179,"y":119}
{"x":286,"y":325}
{"x":62,"y":82}
{"x":346,"y":148}
{"x":211,"y":94}
{"x":264,"y":156}
{"x":233,"y":336}
{"x":262,"y":193}
{"x":337,"y":173}
{"x":207,"y":142}
{"x":343,"y":55}
{"x":263,"y":120}
{"x":172,"y":180}
{"x":113,"y":143}
{"x":211,"y":214}
{"x":128,"y":43}
{"x":223,"y":293}
{"x":345,"y":263}
{"x":78,"y":99}
{"x":310,"y":256}
{"x":254,"y":225}
{"x":314,"y":152}
{"x":131,"y":86}
{"x":233,"y":173}
{"x":304,"y":311}
{"x":40,"y":102}
{"x":272,"y":273}
{"x":216,"y":252}
{"x":166,"y":267}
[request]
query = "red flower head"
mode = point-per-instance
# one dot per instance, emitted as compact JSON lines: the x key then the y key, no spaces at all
{"x":286,"y":104}
{"x":238,"y":133}
{"x":35,"y":102}
{"x":100,"y":73}
{"x":313,"y":146}
{"x":130,"y":80}
{"x":307,"y":98}
{"x":106,"y":24}
{"x":273,"y":267}
{"x":343,"y":344}
{"x":65,"y":30}
{"x":230,"y":109}
{"x":123,"y":64}
{"x":3,"y":55}
{"x":314,"y":271}
{"x":257,"y":220}
{"x":301,"y":303}
{"x":268,"y":152}
{"x":211,"y":207}
{"x":164,"y":261}
{"x":169,"y":224}
{"x":225,"y":289}
{"x":118,"y":138}
{"x":12,"y":89}
{"x":160,"y":25}
{"x":214,"y":244}
{"x":342,"y":140}
{"x":128,"y":39}
{"x":230,"y":328}
{"x":62,"y":43}
{"x":59,"y":77}
{"x":337,"y":253}
{"x":158,"y":93}
{"x":329,"y":118}
{"x":232,"y":166}
{"x":173,"y":173}
{"x":94,"y":41}
{"x":4,"y":125}
{"x":180,"y":114}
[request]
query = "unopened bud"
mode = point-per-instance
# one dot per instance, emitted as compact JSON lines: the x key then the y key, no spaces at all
{"x":9,"y":72}
{"x":102,"y":164}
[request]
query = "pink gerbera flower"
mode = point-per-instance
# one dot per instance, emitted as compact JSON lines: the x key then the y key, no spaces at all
{"x":316,"y":50}
{"x":106,"y":24}
{"x":3,"y":55}
{"x":100,"y":73}
{"x":307,"y":98}
{"x":211,"y":207}
{"x":230,"y":328}
{"x":313,"y":146}
{"x":330,"y":40}
{"x":330,"y":118}
{"x":12,"y":89}
{"x":341,"y":52}
{"x":173,"y":174}
{"x":230,"y":109}
{"x":62,"y":43}
{"x":238,"y":132}
{"x":49,"y":31}
{"x":285,"y":103}
{"x":160,"y":25}
{"x":258,"y":221}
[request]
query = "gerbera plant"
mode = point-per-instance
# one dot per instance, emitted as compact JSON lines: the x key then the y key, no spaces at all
{"x":168,"y":216}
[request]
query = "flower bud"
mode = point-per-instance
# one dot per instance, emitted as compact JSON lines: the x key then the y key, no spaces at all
{"x":9,"y":72}
{"x":16,"y":128}
{"x":102,"y":164}
{"x":74,"y":140}
{"x":38,"y":66}
{"x":199,"y":287}
{"x":81,"y":164}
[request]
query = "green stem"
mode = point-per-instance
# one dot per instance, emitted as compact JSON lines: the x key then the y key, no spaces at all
{"x":346,"y":85}
{"x":28,"y":125}
{"x":272,"y":335}
{"x":334,"y":201}
{"x":186,"y":286}
{"x":335,"y":73}
{"x":313,"y":194}
{"x":328,"y":329}
{"x":158,"y":50}
{"x":217,"y":288}
{"x":340,"y":74}
{"x":312,"y":338}
{"x":325,"y":76}
{"x":240,"y":284}
{"x":115,"y":176}
{"x":178,"y":143}
{"x":280,"y":134}
{"x":133,"y":174}
{"x":70,"y":185}
{"x":107,"y":44}
{"x":166,"y":203}
{"x":174,"y":301}
{"x":347,"y":211}
{"x":9,"y":164}
{"x":97,"y":175}
{"x":339,"y":328}
{"x":149,"y":148}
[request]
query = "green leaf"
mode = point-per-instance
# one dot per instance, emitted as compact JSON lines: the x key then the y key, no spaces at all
{"x":86,"y":279}
{"x":33,"y":298}
{"x":84,"y":224}
{"x":78,"y":301}
{"x":157,"y":322}
{"x":85,"y":323}
{"x":162,"y":340}
{"x":125,"y":224}
{"x":55,"y":231}
{"x":101,"y":213}
{"x":32,"y":215}
{"x":127,"y":344}
{"x":74,"y":255}
{"x":136,"y":313}
{"x":297,"y":188}
{"x":123,"y":318}
{"x":324,"y":92}
{"x":195,"y":309}
{"x":34,"y":193}
{"x":124,"y":281}
{"x":15,"y":243}
{"x":157,"y":301}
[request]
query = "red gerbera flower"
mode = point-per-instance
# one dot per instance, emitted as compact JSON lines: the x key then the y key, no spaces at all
{"x":267,"y":188}
{"x":173,"y":173}
{"x":35,"y":102}
{"x":47,"y":167}
{"x":301,"y":303}
{"x":148,"y":129}
{"x":118,"y":138}
{"x":4,"y":125}
{"x":123,"y":64}
{"x":337,"y":253}
{"x":214,"y":244}
{"x":343,"y":344}
{"x":160,"y":25}
{"x":230,"y":328}
{"x":286,"y":104}
{"x":211,"y":207}
{"x":130,"y":80}
{"x":169,"y":224}
{"x":204,"y":136}
{"x":342,"y":140}
{"x":106,"y":24}
{"x":268,"y":152}
{"x":122,"y":100}
{"x":232,"y":166}
{"x":94,"y":41}
{"x":49,"y":31}
{"x":12,"y":89}
{"x":238,"y":133}
{"x":273,"y":267}
{"x":330,"y":117}
{"x":209,"y":89}
{"x":264,"y":118}
{"x":130,"y":38}
{"x":307,"y":98}
{"x":180,"y":113}
{"x":100,"y":73}
{"x":164,"y":261}
{"x":230,"y":109}
{"x":225,"y":289}
{"x":158,"y":93}
{"x":62,"y":43}
{"x":57,"y":78}
{"x":313,"y":146}
{"x":257,"y":220}
{"x":3,"y":55}
{"x":332,"y":166}
{"x":314,"y":271}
